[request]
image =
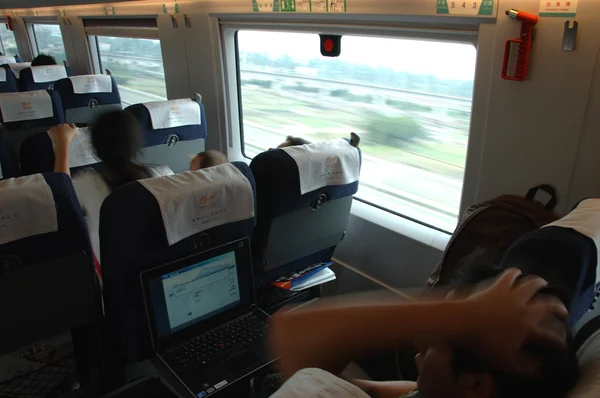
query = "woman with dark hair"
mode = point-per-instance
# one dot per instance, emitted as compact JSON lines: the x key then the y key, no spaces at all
{"x":116,"y":138}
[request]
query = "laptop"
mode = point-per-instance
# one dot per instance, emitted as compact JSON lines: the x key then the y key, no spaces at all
{"x":204,"y":322}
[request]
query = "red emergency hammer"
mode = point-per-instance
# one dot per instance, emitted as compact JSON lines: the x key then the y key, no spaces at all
{"x":524,"y":42}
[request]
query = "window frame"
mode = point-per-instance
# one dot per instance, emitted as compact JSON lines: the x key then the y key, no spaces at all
{"x":30,"y":27}
{"x":229,"y":31}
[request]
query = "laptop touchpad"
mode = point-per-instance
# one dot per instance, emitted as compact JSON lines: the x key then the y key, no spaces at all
{"x":241,"y":362}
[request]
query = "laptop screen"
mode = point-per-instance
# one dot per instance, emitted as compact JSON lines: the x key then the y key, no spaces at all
{"x":198,"y":288}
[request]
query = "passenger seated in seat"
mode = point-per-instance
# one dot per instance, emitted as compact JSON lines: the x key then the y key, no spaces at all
{"x":116,"y":138}
{"x":511,"y":342}
{"x":293,"y":141}
{"x":43,"y":59}
{"x":207,"y":159}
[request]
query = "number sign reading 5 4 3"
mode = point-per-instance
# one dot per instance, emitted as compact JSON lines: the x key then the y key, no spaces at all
{"x":462,"y":7}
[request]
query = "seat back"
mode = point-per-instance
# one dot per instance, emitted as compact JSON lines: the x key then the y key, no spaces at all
{"x":16,"y":68}
{"x":87,"y":97}
{"x":42,"y":77}
{"x":294,"y":230}
{"x":9,"y":163}
{"x":133,"y":238}
{"x":8,"y":82}
{"x":171,"y":138}
{"x":47,"y":282}
{"x":24,"y":114}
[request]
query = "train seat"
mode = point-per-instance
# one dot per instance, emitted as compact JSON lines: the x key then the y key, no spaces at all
{"x":9,"y":163}
{"x":87,"y":97}
{"x":47,"y":279}
{"x":16,"y":68}
{"x":42,"y":77}
{"x":134,"y":238}
{"x":37,"y":153}
{"x":8,"y":82}
{"x":26,"y":113}
{"x":302,"y":220}
{"x":174,"y":131}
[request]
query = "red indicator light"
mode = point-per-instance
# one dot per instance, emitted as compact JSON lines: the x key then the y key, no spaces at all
{"x":328,"y":45}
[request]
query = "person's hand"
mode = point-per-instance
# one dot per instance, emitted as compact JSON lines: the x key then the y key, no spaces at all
{"x":62,"y":133}
{"x":507,"y":315}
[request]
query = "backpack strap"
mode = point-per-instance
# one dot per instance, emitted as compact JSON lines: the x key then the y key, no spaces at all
{"x":549,"y":189}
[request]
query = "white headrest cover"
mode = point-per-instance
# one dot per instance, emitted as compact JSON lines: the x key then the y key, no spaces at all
{"x":322,"y":164}
{"x":2,"y":75}
{"x":28,"y":105}
{"x":48,"y":73}
{"x":7,"y":59}
{"x":195,"y":201}
{"x":87,"y":84}
{"x":174,"y":113}
{"x":26,"y":208}
{"x":18,"y":67}
{"x":585,"y":219}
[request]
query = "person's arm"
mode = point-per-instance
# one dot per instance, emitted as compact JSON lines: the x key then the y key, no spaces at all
{"x":385,"y":389}
{"x":61,"y":136}
{"x":588,"y":385}
{"x":496,"y":322}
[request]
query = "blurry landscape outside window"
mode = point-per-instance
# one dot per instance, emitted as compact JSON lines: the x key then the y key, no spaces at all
{"x":8,"y":41}
{"x":137,"y":66}
{"x":410,"y":101}
{"x":49,"y":41}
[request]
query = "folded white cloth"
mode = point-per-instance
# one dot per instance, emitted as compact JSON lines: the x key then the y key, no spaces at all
{"x":81,"y":150}
{"x":317,"y":383}
{"x":174,"y":113}
{"x":28,"y":105}
{"x":26,"y":208}
{"x":7,"y":59}
{"x":88,"y":84}
{"x":322,"y":164}
{"x":2,"y":75}
{"x":195,"y":201}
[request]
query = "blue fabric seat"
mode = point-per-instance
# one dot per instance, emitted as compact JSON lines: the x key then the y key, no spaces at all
{"x":84,"y":109}
{"x":133,"y":239}
{"x":27,"y":83}
{"x":172,"y":146}
{"x":19,"y":67}
{"x":51,"y":277}
{"x":9,"y":83}
{"x":18,"y":131}
{"x":294,"y":231}
{"x":8,"y":159}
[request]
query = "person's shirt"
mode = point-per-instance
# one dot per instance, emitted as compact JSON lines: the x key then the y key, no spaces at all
{"x":92,"y":189}
{"x":317,"y":383}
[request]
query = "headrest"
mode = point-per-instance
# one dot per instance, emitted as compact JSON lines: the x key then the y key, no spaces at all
{"x":48,"y":73}
{"x":193,"y":202}
{"x":30,"y":105}
{"x":328,"y":163}
{"x":2,"y":75}
{"x":88,"y":84}
{"x":27,"y":208}
{"x":7,"y":59}
{"x":184,"y":118}
{"x":17,"y":67}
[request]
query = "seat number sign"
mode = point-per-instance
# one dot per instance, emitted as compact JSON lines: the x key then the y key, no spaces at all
{"x":299,"y":5}
{"x":462,"y":7}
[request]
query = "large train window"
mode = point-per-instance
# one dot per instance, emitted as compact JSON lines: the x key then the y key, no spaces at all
{"x":7,"y":40}
{"x":136,"y":64}
{"x":409,"y":99}
{"x":47,"y":39}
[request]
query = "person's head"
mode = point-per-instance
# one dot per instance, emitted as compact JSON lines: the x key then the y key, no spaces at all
{"x":117,"y":137}
{"x":207,"y":159}
{"x":293,"y":141}
{"x":43,"y":59}
{"x":457,"y":372}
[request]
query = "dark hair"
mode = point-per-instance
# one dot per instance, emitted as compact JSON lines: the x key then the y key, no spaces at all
{"x":559,"y":369}
{"x":117,"y":137}
{"x":211,"y":158}
{"x":294,"y":141}
{"x":43,"y":59}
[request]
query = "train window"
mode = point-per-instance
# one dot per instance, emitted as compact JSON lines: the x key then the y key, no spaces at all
{"x":48,"y":40}
{"x":410,"y":100}
{"x":137,"y":66}
{"x":7,"y":39}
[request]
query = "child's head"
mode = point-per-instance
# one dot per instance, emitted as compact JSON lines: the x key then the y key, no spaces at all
{"x":207,"y":159}
{"x":293,"y":141}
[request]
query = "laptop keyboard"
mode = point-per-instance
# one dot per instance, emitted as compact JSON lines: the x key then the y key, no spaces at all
{"x":219,"y":344}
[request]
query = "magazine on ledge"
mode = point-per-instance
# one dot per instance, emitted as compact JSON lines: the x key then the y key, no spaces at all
{"x":312,"y":276}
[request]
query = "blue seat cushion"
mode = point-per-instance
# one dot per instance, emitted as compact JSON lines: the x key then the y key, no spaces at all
{"x":155,"y":137}
{"x":8,"y":158}
{"x":133,"y":239}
